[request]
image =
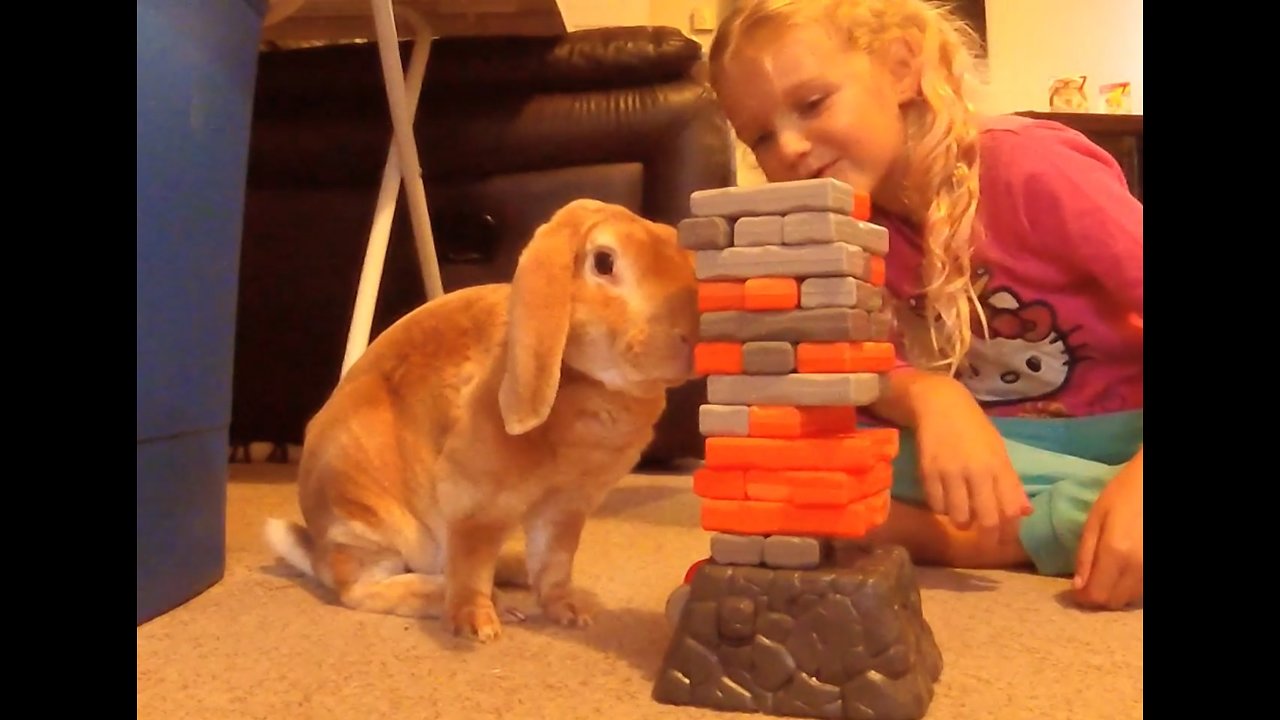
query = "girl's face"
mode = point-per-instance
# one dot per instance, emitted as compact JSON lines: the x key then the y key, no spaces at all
{"x":808,"y":107}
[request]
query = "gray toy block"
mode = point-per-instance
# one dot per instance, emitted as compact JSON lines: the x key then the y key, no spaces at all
{"x":768,"y":357}
{"x":793,"y":326}
{"x":801,"y":389}
{"x":798,"y":261}
{"x":704,"y":233}
{"x":777,"y":198}
{"x":757,"y":230}
{"x":723,"y":420}
{"x":804,"y":228}
{"x":882,"y":325}
{"x":840,"y":292}
{"x":792,"y":552}
{"x":730,"y":549}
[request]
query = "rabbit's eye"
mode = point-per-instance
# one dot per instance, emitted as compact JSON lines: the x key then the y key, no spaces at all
{"x":602,"y":262}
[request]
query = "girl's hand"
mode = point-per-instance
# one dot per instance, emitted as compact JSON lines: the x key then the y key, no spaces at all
{"x":964,"y":466}
{"x":1109,"y":562}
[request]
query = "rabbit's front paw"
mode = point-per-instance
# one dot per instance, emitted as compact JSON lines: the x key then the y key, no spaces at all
{"x":476,"y":620}
{"x":566,"y":608}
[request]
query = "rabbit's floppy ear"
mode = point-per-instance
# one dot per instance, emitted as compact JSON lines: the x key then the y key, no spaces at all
{"x":538,"y":325}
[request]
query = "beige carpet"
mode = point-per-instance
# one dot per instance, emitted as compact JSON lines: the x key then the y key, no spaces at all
{"x":261,"y":644}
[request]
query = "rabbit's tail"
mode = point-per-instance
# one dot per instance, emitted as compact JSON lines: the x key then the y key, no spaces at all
{"x":290,"y":541}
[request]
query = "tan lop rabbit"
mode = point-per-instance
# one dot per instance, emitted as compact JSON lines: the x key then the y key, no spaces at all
{"x":490,"y":409}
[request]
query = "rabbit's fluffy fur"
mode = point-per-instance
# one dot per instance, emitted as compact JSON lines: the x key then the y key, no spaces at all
{"x":490,"y":409}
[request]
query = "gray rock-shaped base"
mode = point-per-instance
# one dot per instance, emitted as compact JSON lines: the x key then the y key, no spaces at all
{"x":846,"y":641}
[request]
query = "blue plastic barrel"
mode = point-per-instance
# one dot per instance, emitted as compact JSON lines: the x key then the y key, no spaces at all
{"x":197,"y":64}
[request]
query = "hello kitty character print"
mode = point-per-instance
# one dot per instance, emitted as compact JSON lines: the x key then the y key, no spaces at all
{"x":1023,"y":355}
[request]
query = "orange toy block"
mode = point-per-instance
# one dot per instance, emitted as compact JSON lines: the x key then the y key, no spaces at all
{"x":771,"y":293}
{"x":884,"y":438}
{"x":781,"y":421}
{"x":721,"y":295}
{"x":719,"y":484}
{"x":717,"y":358}
{"x":817,"y":488}
{"x":845,"y":357}
{"x":758,"y":517}
{"x":746,"y":517}
{"x":875,"y":270}
{"x":856,"y":452}
{"x":861,"y":205}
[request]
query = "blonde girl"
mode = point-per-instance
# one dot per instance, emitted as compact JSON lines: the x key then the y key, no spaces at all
{"x":1016,"y":267}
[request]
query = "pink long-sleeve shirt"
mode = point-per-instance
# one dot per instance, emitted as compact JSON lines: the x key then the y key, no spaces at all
{"x":1058,"y":270}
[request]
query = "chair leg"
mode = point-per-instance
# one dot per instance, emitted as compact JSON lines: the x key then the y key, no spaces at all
{"x":402,"y":123}
{"x":403,"y":95}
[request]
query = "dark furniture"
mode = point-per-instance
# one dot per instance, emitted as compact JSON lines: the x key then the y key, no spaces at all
{"x":1120,"y":135}
{"x":509,"y":129}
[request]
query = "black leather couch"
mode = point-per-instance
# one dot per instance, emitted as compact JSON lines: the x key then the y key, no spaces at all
{"x":509,"y":129}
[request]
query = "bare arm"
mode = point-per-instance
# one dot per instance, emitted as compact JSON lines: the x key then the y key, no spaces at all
{"x":1109,"y":560}
{"x":964,"y":470}
{"x":906,"y":390}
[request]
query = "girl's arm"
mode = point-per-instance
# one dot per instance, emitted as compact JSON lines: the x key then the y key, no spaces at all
{"x":908,"y":389}
{"x":964,"y":471}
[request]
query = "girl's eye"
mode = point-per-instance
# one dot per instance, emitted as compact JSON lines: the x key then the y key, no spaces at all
{"x":813,"y":104}
{"x":602,"y":263}
{"x":760,"y":142}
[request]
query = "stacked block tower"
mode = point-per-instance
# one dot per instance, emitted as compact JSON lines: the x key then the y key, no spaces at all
{"x":795,"y":340}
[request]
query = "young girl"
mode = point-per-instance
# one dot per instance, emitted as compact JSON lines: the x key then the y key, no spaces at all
{"x":1016,"y":267}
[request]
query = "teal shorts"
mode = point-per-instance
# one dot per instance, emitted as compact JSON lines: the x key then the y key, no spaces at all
{"x":1064,"y":463}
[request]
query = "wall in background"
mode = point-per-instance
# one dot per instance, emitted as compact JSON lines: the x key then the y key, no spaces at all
{"x":1029,"y":44}
{"x":697,"y":18}
{"x":1032,"y":42}
{"x":579,"y":14}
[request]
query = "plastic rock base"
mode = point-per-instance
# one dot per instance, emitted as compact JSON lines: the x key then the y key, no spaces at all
{"x":845,"y":640}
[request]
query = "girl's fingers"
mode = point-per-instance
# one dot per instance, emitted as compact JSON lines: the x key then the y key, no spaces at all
{"x":1013,"y":497}
{"x":957,"y":499}
{"x":1129,"y":588}
{"x":1087,"y":551}
{"x":1014,"y":505}
{"x":934,"y":494}
{"x":984,"y":508}
{"x":1104,"y":580}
